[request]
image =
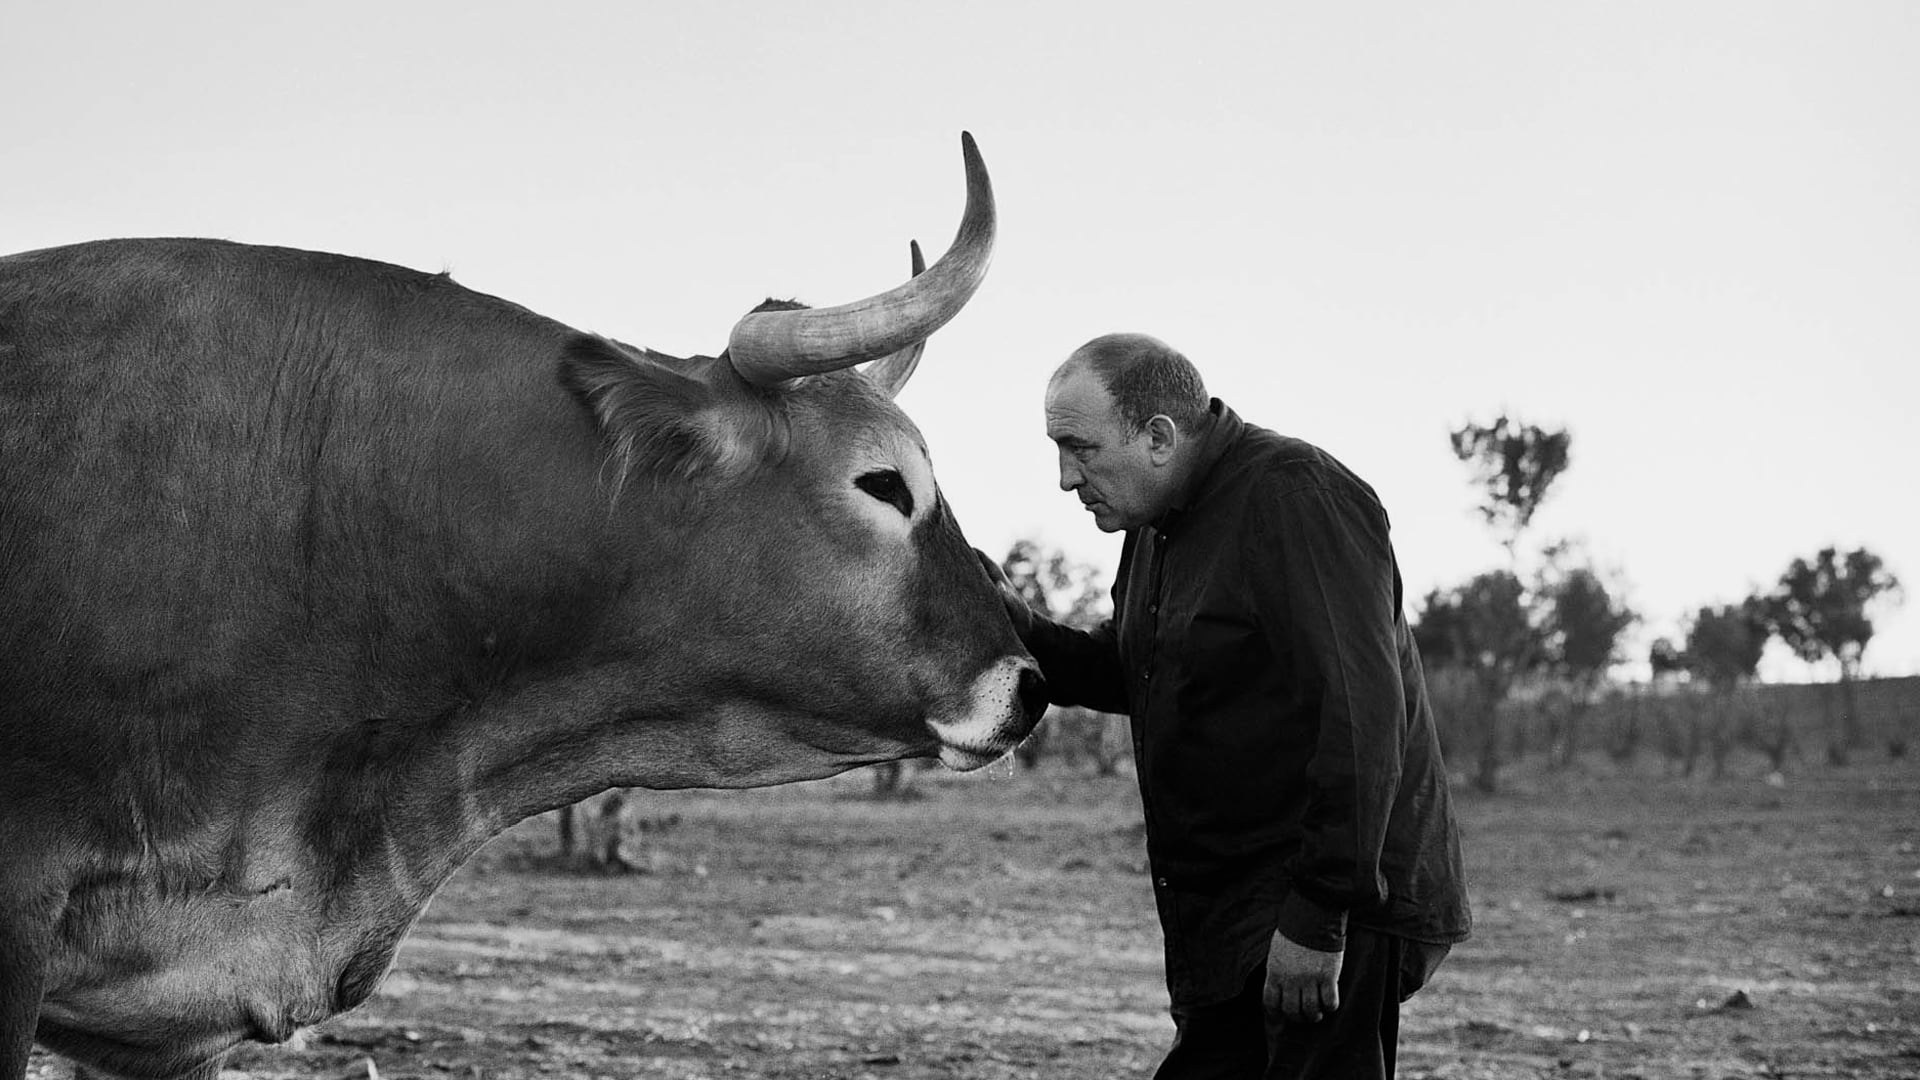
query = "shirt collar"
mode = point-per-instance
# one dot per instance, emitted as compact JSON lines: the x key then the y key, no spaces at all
{"x":1222,"y":430}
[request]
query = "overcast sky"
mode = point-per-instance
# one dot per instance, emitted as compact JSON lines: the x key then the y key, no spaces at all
{"x":1689,"y":232}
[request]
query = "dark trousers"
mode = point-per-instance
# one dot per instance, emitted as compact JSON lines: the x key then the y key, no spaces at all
{"x":1235,"y":1040}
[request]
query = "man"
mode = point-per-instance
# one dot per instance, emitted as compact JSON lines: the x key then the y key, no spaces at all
{"x":1304,"y":856}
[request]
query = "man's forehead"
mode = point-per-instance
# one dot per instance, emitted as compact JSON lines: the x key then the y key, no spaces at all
{"x":1077,"y":404}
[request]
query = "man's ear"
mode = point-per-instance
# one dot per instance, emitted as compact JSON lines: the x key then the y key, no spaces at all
{"x":1163,"y":438}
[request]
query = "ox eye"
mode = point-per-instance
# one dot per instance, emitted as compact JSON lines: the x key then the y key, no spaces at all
{"x":887,"y":486}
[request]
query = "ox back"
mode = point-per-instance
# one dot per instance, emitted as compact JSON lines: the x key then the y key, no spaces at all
{"x":316,"y":573}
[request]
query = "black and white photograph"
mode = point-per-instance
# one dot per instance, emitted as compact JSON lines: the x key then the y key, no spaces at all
{"x":1004,"y":541}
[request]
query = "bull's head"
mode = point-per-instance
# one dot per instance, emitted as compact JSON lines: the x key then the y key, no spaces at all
{"x":812,"y":598}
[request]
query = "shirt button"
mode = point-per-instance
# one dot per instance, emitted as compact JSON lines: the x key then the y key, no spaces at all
{"x":1162,"y":882}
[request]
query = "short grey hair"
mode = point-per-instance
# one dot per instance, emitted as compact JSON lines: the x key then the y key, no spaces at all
{"x":1146,"y":378}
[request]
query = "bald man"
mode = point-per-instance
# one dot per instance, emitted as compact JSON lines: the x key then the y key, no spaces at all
{"x":1304,"y":855}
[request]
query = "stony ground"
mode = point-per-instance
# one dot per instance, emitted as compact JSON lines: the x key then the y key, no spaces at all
{"x":1001,"y":926}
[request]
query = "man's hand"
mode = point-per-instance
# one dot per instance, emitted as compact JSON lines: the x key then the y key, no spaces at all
{"x":1017,"y":609}
{"x":1303,"y":984}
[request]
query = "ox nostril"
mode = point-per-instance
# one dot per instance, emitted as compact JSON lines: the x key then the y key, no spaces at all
{"x":1033,"y":694}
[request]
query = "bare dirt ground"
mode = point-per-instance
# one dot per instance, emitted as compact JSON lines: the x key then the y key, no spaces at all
{"x":1002,"y":926}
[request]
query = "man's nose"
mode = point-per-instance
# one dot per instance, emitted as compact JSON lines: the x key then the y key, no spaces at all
{"x":1070,"y":477}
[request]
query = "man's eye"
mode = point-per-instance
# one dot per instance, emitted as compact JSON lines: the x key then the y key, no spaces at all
{"x":887,"y":486}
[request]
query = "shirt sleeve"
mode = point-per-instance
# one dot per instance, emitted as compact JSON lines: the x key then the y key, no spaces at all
{"x":1323,"y":575}
{"x":1082,"y":667}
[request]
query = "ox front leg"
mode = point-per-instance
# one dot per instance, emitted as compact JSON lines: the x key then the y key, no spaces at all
{"x":23,"y":973}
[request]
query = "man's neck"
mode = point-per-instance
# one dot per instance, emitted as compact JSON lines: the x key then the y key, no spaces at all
{"x":1191,"y":465}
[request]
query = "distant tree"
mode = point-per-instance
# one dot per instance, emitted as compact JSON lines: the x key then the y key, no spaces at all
{"x":1820,"y":610}
{"x":1483,"y":627}
{"x":1723,"y":650}
{"x":1069,"y":591}
{"x":1647,"y":710}
{"x":890,"y":781}
{"x":1724,"y":644}
{"x":1664,"y":658}
{"x":597,"y":820}
{"x":1514,"y":464}
{"x":1623,"y":731}
{"x":1489,"y":625}
{"x":1440,"y":630}
{"x":1584,"y":624}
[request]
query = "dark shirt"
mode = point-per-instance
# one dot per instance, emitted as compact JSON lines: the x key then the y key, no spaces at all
{"x":1286,"y":753}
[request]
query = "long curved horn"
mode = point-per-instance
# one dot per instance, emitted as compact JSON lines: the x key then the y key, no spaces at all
{"x":768,"y":347}
{"x":892,"y":371}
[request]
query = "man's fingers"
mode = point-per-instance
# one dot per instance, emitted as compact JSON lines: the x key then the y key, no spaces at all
{"x":1305,"y":1000}
{"x":1307,"y":1004}
{"x":1295,"y":1003}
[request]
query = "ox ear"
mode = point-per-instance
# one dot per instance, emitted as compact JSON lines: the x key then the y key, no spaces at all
{"x":667,"y":417}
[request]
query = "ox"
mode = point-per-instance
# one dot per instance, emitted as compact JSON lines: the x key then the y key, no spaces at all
{"x":317,"y":573}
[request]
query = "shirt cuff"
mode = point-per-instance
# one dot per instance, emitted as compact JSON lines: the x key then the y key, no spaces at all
{"x":1311,"y":926}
